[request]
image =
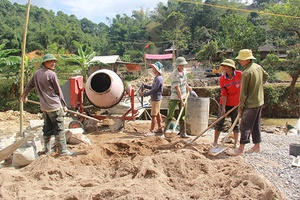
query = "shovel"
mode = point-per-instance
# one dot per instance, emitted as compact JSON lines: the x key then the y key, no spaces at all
{"x":213,"y":124}
{"x":219,"y":149}
{"x":180,"y":113}
{"x":70,"y":111}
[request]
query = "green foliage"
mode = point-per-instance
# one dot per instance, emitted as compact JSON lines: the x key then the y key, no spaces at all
{"x":279,"y":21}
{"x":200,"y":37}
{"x":246,"y":35}
{"x":273,"y":95}
{"x":282,"y":76}
{"x":272,"y":63}
{"x":191,"y":26}
{"x":277,"y":103}
{"x":5,"y":92}
{"x":134,"y":56}
{"x":206,"y":54}
{"x":9,"y":99}
{"x":131,"y":77}
{"x":82,"y":59}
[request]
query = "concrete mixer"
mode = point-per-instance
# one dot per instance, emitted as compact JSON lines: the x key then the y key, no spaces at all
{"x":105,"y":90}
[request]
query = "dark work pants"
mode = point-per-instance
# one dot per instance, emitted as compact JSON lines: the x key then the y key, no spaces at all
{"x":251,"y":125}
{"x":233,"y":115}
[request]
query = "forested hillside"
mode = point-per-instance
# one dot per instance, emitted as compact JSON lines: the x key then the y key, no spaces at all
{"x":193,"y":27}
{"x":209,"y":31}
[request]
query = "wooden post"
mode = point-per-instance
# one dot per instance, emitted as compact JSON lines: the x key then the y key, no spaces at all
{"x":145,"y":64}
{"x":22,"y":67}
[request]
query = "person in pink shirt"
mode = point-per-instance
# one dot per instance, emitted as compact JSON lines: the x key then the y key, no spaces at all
{"x":230,"y":84}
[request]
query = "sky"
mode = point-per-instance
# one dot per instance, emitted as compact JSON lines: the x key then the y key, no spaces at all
{"x":94,"y":10}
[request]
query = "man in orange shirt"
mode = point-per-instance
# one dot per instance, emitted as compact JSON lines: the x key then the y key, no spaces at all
{"x":230,"y":84}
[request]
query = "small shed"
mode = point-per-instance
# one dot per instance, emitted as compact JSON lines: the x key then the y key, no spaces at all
{"x":114,"y":61}
{"x":110,"y":60}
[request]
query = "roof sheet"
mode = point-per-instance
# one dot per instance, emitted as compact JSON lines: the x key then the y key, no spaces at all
{"x":107,"y":59}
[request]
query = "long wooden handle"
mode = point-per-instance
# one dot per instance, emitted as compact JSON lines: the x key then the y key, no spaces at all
{"x":215,"y":122}
{"x":70,"y":111}
{"x":181,"y":111}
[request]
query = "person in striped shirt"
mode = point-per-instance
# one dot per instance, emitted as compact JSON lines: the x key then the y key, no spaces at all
{"x":179,"y":88}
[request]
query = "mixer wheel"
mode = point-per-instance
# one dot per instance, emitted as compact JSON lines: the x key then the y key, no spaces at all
{"x":76,"y":124}
{"x":117,"y":125}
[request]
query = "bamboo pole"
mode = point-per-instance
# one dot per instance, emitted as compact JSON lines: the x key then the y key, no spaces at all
{"x":22,"y":67}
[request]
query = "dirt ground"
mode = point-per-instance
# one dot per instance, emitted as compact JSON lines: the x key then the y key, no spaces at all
{"x":126,"y":165}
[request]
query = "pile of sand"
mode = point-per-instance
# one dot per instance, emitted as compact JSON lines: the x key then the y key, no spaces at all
{"x":127,"y":165}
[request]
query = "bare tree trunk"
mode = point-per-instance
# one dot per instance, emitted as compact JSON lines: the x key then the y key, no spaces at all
{"x":293,"y":82}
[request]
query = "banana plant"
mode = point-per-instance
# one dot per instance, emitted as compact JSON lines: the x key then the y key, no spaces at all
{"x":10,"y":67}
{"x":9,"y":63}
{"x":83,"y":59}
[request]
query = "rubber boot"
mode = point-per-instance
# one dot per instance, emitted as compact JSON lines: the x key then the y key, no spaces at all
{"x":47,"y":144}
{"x":61,"y":142}
{"x":167,"y":124}
{"x":182,"y":129}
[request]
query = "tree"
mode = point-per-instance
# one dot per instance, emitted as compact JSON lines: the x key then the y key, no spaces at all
{"x":7,"y":60}
{"x":10,"y":65}
{"x":202,"y":36}
{"x":236,"y":33}
{"x":206,"y":54}
{"x":82,"y":59}
{"x":293,"y":59}
{"x":175,"y":30}
{"x":284,"y":22}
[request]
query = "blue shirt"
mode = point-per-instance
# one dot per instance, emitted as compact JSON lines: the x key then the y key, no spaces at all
{"x":156,"y":89}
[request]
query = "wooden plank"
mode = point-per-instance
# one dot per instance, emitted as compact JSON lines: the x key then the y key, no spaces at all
{"x":6,"y":152}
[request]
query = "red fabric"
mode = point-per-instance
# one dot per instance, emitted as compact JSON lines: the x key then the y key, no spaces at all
{"x":231,"y":88}
{"x":147,"y":46}
{"x":158,"y":56}
{"x":132,"y":67}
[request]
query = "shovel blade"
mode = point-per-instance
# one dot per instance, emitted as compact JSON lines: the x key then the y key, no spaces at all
{"x":217,"y":150}
{"x":190,"y":142}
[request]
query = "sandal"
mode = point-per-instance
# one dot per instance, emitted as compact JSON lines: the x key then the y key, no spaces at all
{"x":158,"y":130}
{"x":252,"y":150}
{"x":149,"y":134}
{"x":232,"y":152}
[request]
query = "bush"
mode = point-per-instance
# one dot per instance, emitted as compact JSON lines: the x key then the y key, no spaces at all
{"x":8,"y":100}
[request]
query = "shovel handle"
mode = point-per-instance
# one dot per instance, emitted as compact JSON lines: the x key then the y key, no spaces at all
{"x":181,"y":111}
{"x":215,"y":122}
{"x":142,"y":97}
{"x":70,"y":111}
{"x":34,"y":102}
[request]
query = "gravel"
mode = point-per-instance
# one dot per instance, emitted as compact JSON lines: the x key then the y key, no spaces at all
{"x":275,"y":163}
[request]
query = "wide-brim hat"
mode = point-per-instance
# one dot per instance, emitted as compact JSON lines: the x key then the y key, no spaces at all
{"x":229,"y":62}
{"x":158,"y":66}
{"x":245,"y":54}
{"x":48,"y":57}
{"x":180,"y":61}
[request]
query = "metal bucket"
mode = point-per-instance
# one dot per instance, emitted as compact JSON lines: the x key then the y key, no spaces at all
{"x":197,"y":114}
{"x":104,"y":88}
{"x":294,"y":149}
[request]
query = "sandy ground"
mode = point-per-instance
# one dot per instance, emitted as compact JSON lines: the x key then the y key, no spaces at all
{"x":126,"y":165}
